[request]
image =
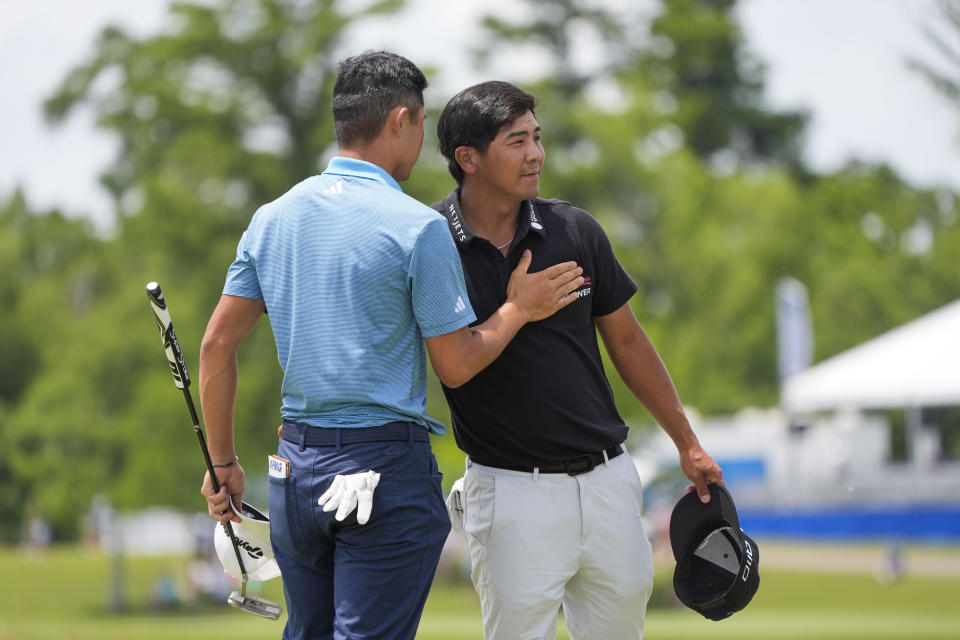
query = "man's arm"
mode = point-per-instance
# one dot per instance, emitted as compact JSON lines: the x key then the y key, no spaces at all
{"x":644,"y":373}
{"x":459,"y":355}
{"x":231,"y":322}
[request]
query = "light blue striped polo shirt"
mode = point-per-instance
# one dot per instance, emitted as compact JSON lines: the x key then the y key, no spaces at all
{"x":354,"y":274}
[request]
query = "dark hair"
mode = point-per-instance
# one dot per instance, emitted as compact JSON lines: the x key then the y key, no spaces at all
{"x":368,"y":87}
{"x":473,"y":117}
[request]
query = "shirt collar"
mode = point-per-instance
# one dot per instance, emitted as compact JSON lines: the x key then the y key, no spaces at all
{"x":462,"y":232}
{"x":361,"y":169}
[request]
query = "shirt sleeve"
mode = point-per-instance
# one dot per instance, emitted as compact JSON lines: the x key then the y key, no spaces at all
{"x":440,"y":301}
{"x":612,"y":285}
{"x":242,"y":277}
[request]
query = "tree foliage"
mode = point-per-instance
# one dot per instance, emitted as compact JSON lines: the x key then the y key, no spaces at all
{"x":223,"y":111}
{"x":943,"y":73}
{"x":711,"y":87}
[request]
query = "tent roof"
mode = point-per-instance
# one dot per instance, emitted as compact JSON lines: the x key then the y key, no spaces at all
{"x":916,"y":364}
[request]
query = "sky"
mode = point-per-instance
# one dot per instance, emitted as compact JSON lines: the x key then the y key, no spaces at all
{"x":842,"y":60}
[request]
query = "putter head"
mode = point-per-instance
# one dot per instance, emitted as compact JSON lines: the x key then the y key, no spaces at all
{"x":256,"y":605}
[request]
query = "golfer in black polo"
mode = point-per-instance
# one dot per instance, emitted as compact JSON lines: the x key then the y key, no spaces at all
{"x":550,"y":501}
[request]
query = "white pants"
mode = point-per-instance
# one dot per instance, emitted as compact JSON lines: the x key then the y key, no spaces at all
{"x":537,"y":541}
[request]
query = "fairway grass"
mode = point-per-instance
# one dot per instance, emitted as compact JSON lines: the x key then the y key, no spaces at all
{"x":786,"y":624}
{"x":64,"y":594}
{"x":797,"y":623}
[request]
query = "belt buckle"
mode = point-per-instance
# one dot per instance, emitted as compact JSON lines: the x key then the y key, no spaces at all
{"x":581,"y":464}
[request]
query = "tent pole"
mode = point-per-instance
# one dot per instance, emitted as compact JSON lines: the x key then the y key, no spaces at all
{"x":914,"y":425}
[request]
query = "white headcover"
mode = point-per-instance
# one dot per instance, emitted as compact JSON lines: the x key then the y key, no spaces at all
{"x":253,"y":538}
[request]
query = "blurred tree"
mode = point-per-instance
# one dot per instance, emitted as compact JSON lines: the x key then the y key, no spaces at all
{"x":872,"y":250}
{"x":557,"y":26}
{"x":691,"y":58}
{"x":23,"y":251}
{"x":49,"y":258}
{"x":710,"y":85}
{"x":877,"y":253}
{"x":224,"y":110}
{"x":944,"y":74}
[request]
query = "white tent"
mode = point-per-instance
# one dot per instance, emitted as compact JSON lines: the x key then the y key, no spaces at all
{"x":914,"y":365}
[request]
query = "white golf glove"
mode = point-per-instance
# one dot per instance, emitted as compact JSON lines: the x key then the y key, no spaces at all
{"x":347,"y":493}
{"x":455,"y":505}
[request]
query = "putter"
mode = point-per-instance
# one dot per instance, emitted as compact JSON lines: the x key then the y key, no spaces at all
{"x":254,"y":604}
{"x":181,"y":379}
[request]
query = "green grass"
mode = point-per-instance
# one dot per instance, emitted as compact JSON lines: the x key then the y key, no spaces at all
{"x":64,"y":594}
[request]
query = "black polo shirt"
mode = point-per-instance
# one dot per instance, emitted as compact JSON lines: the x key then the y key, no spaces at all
{"x":546,"y":398}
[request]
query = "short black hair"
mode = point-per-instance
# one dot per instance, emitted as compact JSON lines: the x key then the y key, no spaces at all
{"x":473,"y":117}
{"x":367,"y":88}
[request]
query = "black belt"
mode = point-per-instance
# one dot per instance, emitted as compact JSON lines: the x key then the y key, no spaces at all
{"x":574,"y":466}
{"x":299,"y":433}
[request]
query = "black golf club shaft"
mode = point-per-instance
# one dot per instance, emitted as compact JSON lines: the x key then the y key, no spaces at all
{"x":181,"y":378}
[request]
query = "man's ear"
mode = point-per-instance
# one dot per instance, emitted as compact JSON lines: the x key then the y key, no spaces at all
{"x":398,"y":118}
{"x":467,"y":158}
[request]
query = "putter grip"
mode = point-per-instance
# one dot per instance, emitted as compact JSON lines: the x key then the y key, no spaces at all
{"x":168,"y":336}
{"x":177,"y":367}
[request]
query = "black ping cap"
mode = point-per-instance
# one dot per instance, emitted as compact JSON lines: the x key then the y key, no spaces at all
{"x":717,"y":570}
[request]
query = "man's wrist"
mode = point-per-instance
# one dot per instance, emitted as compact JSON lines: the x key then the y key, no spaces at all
{"x":685,"y":439}
{"x":229,"y":463}
{"x":512,"y":310}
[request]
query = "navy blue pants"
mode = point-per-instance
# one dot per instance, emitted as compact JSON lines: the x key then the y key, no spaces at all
{"x":345,"y":581}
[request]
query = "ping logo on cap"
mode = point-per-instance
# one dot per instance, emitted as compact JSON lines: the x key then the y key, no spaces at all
{"x":748,"y":551}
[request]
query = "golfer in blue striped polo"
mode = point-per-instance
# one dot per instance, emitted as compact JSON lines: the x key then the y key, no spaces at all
{"x":359,"y":282}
